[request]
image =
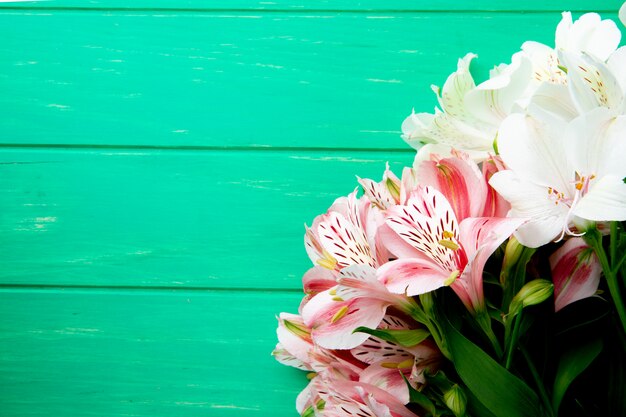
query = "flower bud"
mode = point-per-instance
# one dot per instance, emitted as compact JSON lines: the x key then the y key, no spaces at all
{"x":534,"y":292}
{"x":427,"y":302}
{"x":512,"y":254}
{"x":456,"y":400}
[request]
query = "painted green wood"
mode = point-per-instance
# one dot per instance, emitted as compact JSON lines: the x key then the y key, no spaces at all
{"x":236,"y":79}
{"x":339,"y":5}
{"x":169,"y":218}
{"x":143,"y":353}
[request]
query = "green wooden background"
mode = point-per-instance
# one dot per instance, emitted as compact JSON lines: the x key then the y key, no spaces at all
{"x":158,"y":159}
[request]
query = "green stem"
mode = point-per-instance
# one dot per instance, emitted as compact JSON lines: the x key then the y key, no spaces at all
{"x":537,"y":378}
{"x":513,"y":340}
{"x":418,"y":314}
{"x":484,"y":321}
{"x":613,"y":242}
{"x":594,"y":239}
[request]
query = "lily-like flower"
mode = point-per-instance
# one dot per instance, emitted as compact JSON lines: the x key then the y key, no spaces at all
{"x":346,"y":235}
{"x":589,"y":34}
{"x":382,"y":194}
{"x":561,"y":174}
{"x":442,"y":251}
{"x":453,"y":125}
{"x":390,"y":363}
{"x":582,"y":71}
{"x":575,"y":272}
{"x":358,"y":300}
{"x":622,"y":14}
{"x":351,"y":398}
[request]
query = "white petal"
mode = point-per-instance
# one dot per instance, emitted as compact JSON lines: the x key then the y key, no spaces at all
{"x":456,"y":87}
{"x":591,"y":83}
{"x":535,"y":150}
{"x":416,"y":128}
{"x":493,"y":100}
{"x":622,"y":14}
{"x":605,"y":201}
{"x":617,"y":63}
{"x":530,"y":201}
{"x":554,"y":100}
{"x":589,"y":34}
{"x":545,"y":63}
{"x":596,"y":144}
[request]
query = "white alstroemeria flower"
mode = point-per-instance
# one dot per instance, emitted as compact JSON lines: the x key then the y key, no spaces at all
{"x":589,"y":34}
{"x":622,"y":14}
{"x":588,"y":84}
{"x":470,"y":115}
{"x":584,"y":71}
{"x":452,"y":125}
{"x":561,"y":174}
{"x":571,"y":78}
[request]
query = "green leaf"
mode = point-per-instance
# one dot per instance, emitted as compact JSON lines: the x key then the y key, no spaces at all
{"x":573,"y":362}
{"x":406,"y":338}
{"x":476,"y":408}
{"x":501,"y":392}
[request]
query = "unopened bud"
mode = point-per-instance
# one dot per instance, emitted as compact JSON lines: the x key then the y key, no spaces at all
{"x":512,"y":254}
{"x":456,"y":400}
{"x":533,"y":293}
{"x":427,"y":302}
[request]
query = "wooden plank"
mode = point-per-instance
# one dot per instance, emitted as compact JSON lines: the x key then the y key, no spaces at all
{"x":237,"y":79}
{"x":211,"y":219}
{"x":158,"y":353}
{"x":340,"y":5}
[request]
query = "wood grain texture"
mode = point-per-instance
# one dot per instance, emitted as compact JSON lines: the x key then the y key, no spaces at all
{"x":168,"y":218}
{"x":236,"y":79}
{"x":157,"y":161}
{"x":135,"y":353}
{"x":338,"y":5}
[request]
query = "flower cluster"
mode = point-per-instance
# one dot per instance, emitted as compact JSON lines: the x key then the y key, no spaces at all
{"x":515,"y":185}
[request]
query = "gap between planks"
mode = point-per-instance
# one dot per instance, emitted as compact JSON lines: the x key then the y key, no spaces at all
{"x":139,"y":288}
{"x":16,"y":146}
{"x":282,"y":11}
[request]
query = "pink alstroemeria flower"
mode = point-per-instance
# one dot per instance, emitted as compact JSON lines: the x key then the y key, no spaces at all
{"x":358,"y":300}
{"x":461,"y":181}
{"x":350,"y":398}
{"x":389,"y":362}
{"x":444,"y":251}
{"x":575,"y":272}
{"x":346,"y":235}
{"x":382,"y":194}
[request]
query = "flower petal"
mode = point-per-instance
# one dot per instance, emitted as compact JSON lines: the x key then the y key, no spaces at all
{"x":589,"y":34}
{"x":345,"y":240}
{"x":459,"y":180}
{"x":333,"y":321}
{"x":318,"y":279}
{"x":423,"y":222}
{"x":412,"y":276}
{"x":605,"y":201}
{"x":480,"y":237}
{"x":457,"y":85}
{"x":530,"y":201}
{"x":492,"y":101}
{"x":388,"y":379}
{"x":575,"y":272}
{"x":591,"y":83}
{"x":495,"y":204}
{"x":535,"y":150}
{"x":286,"y":358}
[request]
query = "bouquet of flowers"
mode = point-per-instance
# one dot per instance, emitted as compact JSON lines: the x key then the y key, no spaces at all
{"x":489,"y":278}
